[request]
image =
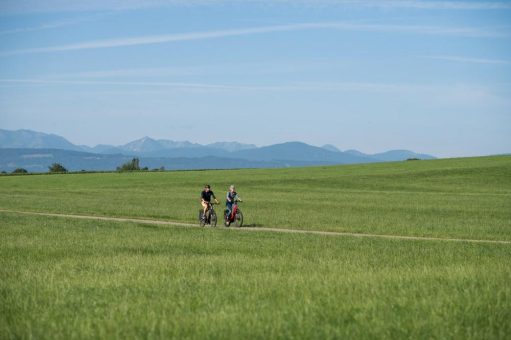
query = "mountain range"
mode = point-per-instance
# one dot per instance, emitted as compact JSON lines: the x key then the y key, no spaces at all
{"x":34,"y":151}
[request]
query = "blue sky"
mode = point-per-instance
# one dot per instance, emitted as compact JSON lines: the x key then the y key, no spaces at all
{"x":430,"y":76}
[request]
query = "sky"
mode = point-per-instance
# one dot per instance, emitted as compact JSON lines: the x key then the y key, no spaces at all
{"x":428,"y":76}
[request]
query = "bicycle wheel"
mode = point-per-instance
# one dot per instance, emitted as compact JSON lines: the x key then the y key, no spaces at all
{"x":202,"y":219}
{"x":212,"y":219}
{"x":238,"y":220}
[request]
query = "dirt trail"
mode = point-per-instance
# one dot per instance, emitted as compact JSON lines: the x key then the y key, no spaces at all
{"x":266,"y":229}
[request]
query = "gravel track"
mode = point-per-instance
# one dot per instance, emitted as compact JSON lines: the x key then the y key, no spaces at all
{"x":265,"y":229}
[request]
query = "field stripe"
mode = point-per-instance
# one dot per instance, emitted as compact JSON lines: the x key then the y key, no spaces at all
{"x":266,"y":229}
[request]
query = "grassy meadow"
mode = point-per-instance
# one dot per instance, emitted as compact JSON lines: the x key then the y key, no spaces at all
{"x":465,"y":198}
{"x":65,"y":278}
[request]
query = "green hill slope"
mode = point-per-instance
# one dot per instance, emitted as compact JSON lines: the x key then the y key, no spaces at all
{"x":466,"y":198}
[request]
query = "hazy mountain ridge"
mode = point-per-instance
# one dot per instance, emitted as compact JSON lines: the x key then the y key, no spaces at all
{"x":300,"y":151}
{"x":330,"y":147}
{"x":160,"y":152}
{"x":391,"y":155}
{"x":232,"y":146}
{"x":38,"y":160}
{"x":35,"y":140}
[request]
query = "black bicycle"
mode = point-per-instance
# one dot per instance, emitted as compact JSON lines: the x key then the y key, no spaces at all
{"x":209,"y":218}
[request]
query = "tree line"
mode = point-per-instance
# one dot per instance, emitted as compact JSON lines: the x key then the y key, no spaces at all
{"x":57,"y":168}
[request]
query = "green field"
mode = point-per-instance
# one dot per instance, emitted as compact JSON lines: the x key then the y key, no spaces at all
{"x":466,"y":198}
{"x":65,"y":278}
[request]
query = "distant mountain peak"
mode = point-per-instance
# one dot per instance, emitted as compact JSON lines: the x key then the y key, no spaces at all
{"x":288,"y":144}
{"x":34,"y":140}
{"x":330,"y":147}
{"x":355,"y":152}
{"x":144,"y":139}
{"x":143,"y":144}
{"x":232,"y":146}
{"x":400,"y":155}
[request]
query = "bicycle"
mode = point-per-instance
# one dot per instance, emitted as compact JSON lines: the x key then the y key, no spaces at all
{"x":234,"y":217}
{"x":210,"y":218}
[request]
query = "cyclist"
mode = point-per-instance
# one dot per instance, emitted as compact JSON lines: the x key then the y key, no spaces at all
{"x":206,"y":195}
{"x":231,"y":198}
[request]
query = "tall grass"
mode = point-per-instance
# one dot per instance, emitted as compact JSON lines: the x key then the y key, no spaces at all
{"x":69,"y":279}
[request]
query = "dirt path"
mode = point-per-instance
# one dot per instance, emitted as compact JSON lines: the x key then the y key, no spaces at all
{"x":266,"y":229}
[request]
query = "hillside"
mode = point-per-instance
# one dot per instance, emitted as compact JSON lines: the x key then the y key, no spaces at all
{"x":466,"y":197}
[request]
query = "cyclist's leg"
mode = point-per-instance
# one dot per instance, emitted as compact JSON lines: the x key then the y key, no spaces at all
{"x":204,"y":207}
{"x":228,"y":207}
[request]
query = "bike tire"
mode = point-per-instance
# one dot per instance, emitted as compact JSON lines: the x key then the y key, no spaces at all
{"x":213,"y":219}
{"x":238,"y":219}
{"x":202,"y":221}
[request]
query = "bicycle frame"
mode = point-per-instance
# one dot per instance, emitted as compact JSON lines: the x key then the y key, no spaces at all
{"x":233,"y":212}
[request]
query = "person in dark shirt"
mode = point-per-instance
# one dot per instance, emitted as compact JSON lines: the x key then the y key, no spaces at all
{"x":206,"y":196}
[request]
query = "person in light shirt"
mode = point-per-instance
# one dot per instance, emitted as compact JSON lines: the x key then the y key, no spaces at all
{"x":231,"y":198}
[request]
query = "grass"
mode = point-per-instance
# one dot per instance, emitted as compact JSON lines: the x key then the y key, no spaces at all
{"x":68,"y":279}
{"x":463,"y":198}
{"x":73,"y":279}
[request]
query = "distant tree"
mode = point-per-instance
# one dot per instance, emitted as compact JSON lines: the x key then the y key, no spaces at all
{"x":132,"y":165}
{"x":145,"y":168}
{"x":413,"y":159}
{"x":4,"y":173}
{"x":20,"y":171}
{"x":162,"y":168}
{"x":57,"y":168}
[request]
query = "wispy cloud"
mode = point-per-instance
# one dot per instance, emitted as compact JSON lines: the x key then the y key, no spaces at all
{"x":471,"y":60}
{"x":28,"y":6}
{"x":37,"y":28}
{"x":52,"y":25}
{"x":340,"y":26}
{"x":299,"y":86}
{"x":427,"y":4}
{"x":31,"y":6}
{"x":304,"y":86}
{"x":42,"y":81}
{"x":223,"y":69}
{"x":129,"y":73}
